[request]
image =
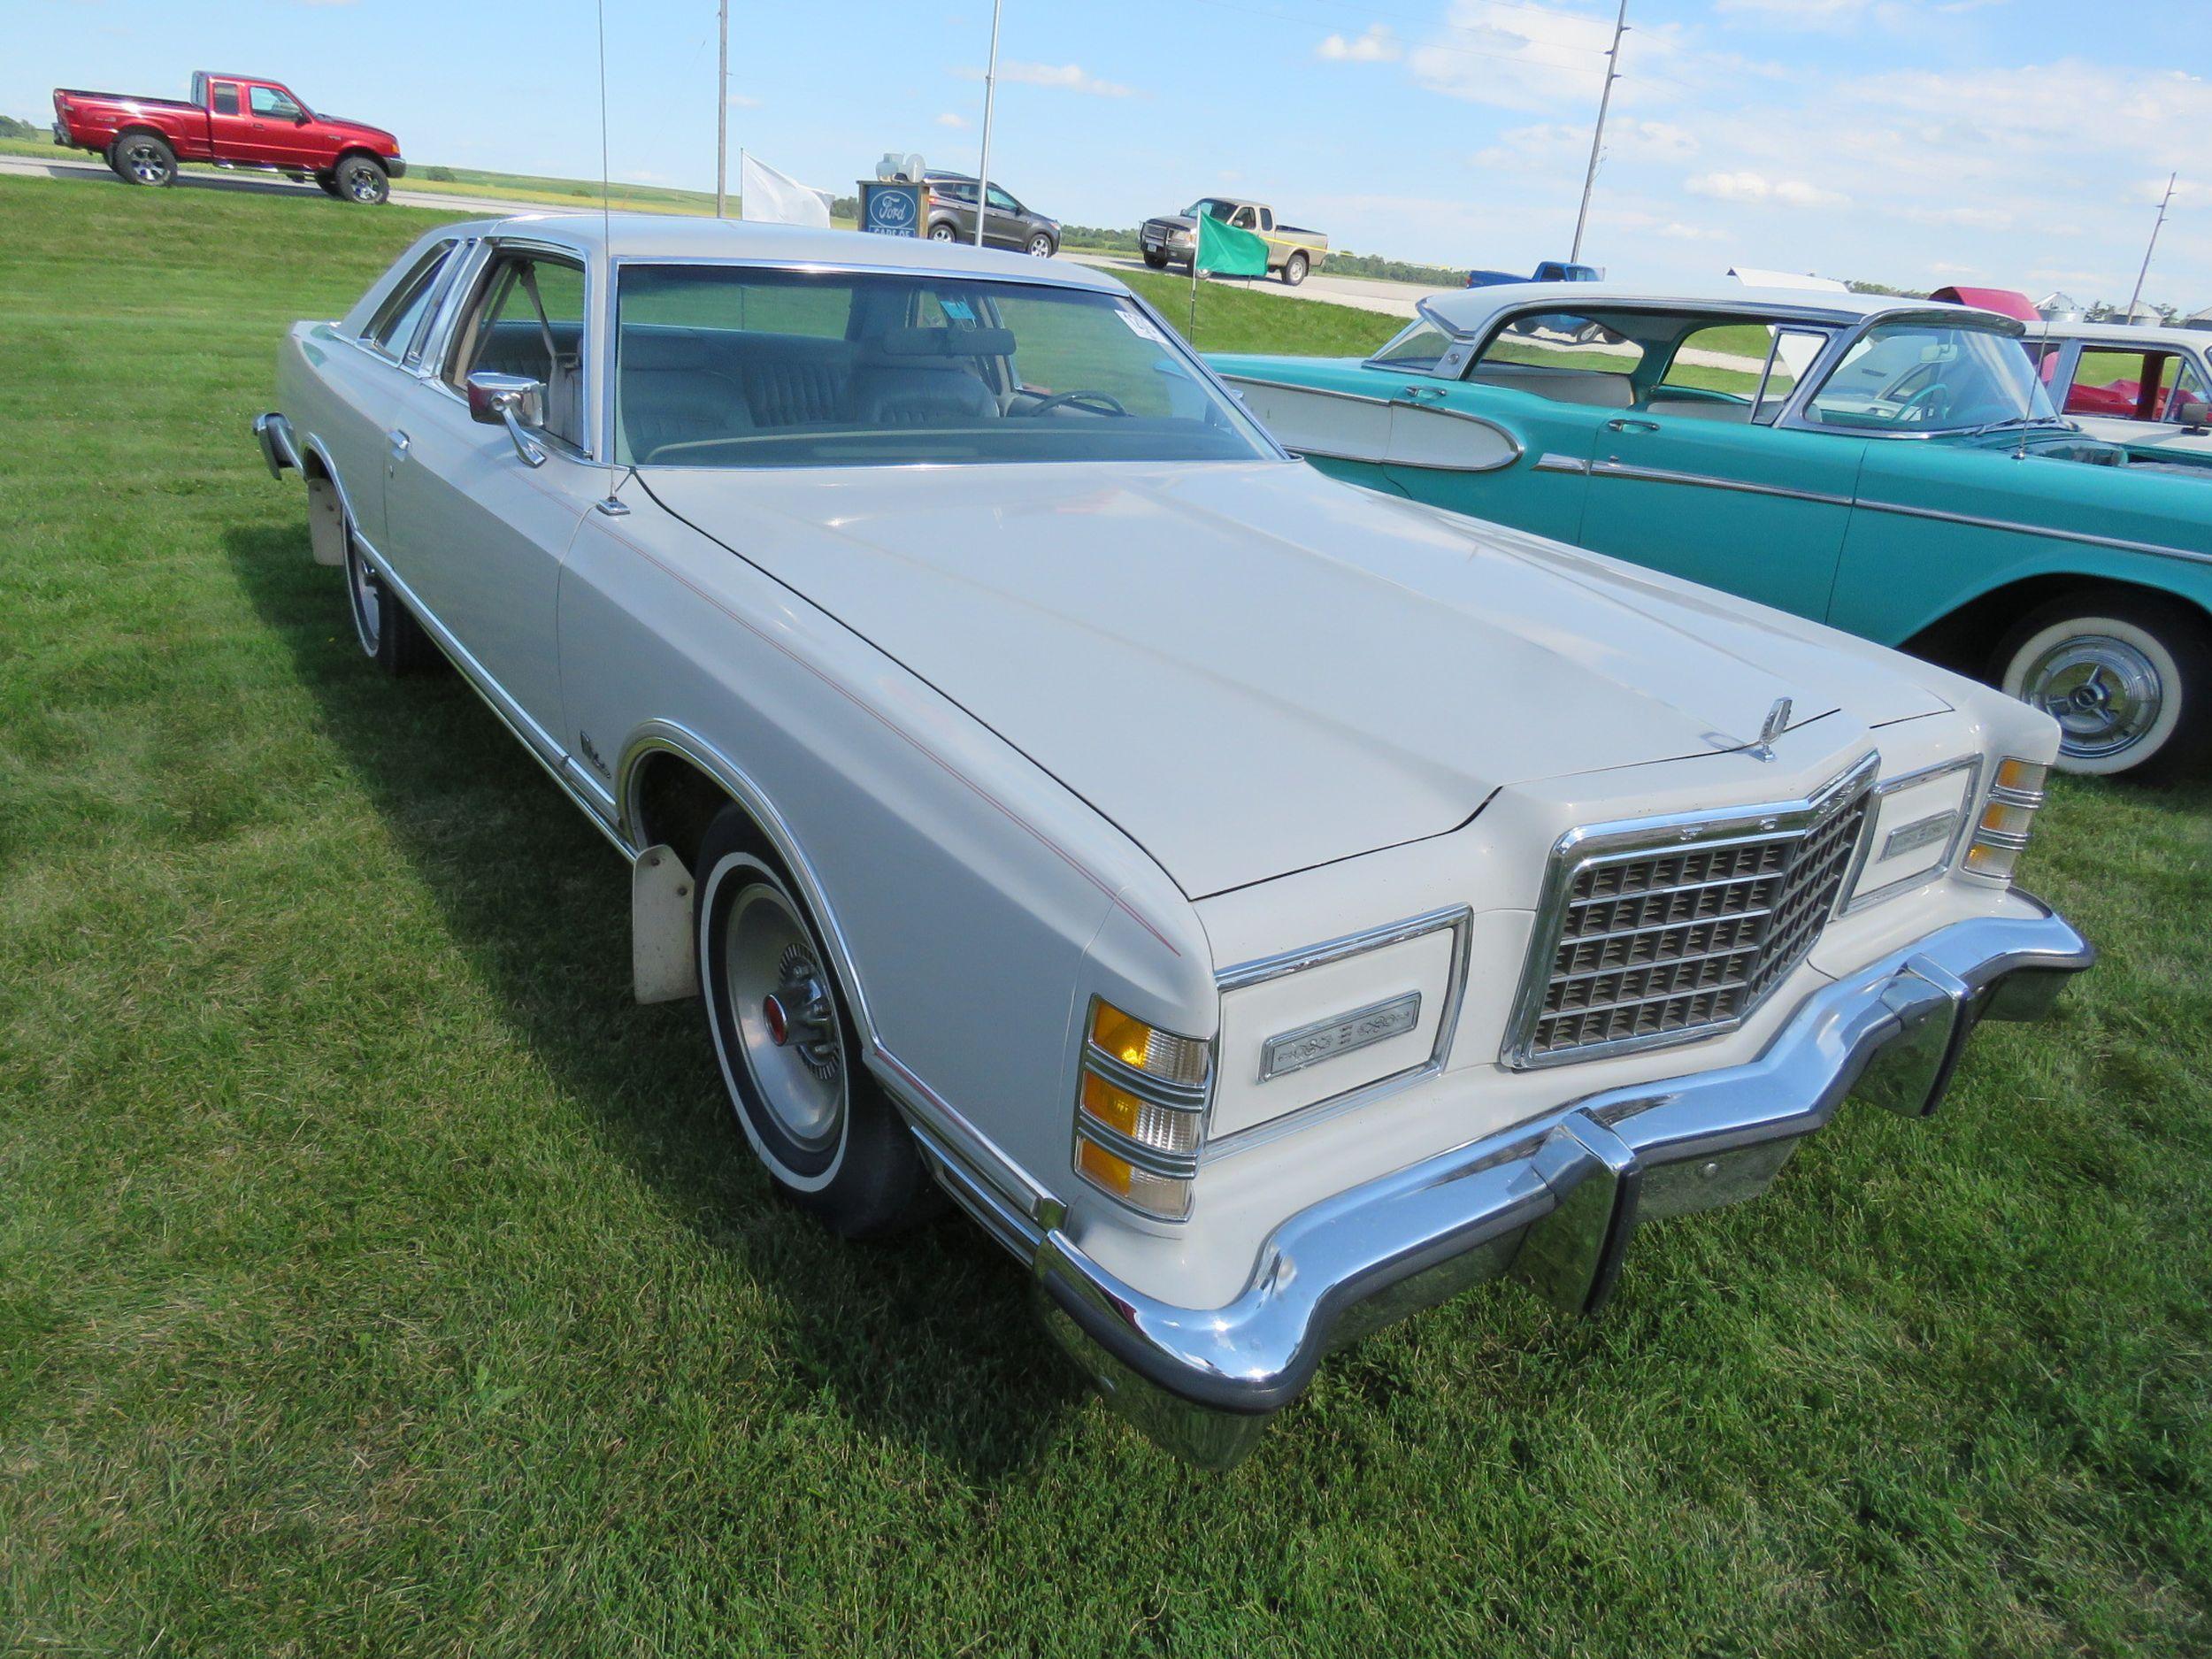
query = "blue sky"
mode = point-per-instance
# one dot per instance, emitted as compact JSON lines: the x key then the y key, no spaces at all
{"x":2016,"y":142}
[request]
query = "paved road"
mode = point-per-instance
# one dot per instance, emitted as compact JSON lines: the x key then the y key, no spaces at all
{"x":75,"y":164}
{"x":1366,"y":293}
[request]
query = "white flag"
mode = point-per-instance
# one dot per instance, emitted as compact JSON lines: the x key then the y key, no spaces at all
{"x":765,"y":193}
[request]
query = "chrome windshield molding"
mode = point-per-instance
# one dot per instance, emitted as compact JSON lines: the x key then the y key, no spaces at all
{"x":1673,"y":1146}
{"x":1682,"y":832}
{"x":1457,"y":918}
{"x":1853,"y":900}
{"x":1707,"y":480}
{"x":2085,"y":538}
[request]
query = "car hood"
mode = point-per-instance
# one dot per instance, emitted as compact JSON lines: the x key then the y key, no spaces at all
{"x":377,"y":137}
{"x":1251,"y":668}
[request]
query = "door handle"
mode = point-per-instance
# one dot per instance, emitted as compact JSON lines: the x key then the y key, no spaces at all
{"x":398,"y":452}
{"x":1624,"y":425}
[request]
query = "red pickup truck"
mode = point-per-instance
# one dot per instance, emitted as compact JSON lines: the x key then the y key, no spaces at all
{"x":230,"y":121}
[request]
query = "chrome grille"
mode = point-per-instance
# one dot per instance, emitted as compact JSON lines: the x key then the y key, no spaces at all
{"x":1642,"y":943}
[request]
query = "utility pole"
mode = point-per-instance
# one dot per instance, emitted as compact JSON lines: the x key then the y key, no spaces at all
{"x":983,"y":168}
{"x":1597,"y":139}
{"x":2156,"y":225}
{"x":722,"y":121}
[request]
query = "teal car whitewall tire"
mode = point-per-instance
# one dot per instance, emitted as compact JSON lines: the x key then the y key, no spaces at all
{"x":2126,"y":677}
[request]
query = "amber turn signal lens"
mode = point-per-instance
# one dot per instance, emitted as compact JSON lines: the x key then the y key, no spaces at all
{"x":1163,"y":1127}
{"x":2021,"y":777}
{"x":1146,"y":1048}
{"x":1140,"y":1189}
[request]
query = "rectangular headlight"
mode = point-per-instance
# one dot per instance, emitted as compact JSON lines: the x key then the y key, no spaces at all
{"x":1140,"y":1111}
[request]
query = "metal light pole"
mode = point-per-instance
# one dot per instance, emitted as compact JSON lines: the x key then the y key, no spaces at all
{"x":722,"y":121}
{"x":983,"y":168}
{"x":1597,"y":139}
{"x":2156,"y":225}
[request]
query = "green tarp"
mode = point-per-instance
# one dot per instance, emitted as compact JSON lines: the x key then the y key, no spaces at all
{"x":1229,"y":250}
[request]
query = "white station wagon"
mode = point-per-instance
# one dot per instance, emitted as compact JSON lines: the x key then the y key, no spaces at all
{"x":1265,"y":906}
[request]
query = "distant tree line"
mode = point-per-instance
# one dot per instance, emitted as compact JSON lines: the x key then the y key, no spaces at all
{"x":10,"y":128}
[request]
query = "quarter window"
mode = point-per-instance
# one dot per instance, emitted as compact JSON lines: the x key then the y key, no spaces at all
{"x":1570,"y":357}
{"x":398,"y":321}
{"x":529,"y":320}
{"x":1737,"y":371}
{"x":225,"y":98}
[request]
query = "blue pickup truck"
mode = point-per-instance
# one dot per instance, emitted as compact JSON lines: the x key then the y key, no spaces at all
{"x":1550,"y":271}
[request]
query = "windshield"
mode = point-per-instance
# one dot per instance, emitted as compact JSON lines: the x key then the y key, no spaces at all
{"x":732,"y":366}
{"x":1917,"y":377}
{"x":1212,"y":207}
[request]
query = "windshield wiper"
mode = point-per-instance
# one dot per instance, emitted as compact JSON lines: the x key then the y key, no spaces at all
{"x":2010,"y":421}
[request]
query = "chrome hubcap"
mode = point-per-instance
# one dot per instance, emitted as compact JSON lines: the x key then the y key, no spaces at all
{"x":364,"y":188}
{"x":367,"y":594}
{"x":146,"y":165}
{"x":786,"y":1018}
{"x":2104,"y":692}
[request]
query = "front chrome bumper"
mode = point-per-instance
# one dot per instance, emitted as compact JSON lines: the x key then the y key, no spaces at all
{"x":1553,"y":1202}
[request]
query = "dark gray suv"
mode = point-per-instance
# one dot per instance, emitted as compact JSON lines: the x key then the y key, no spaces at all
{"x":1006,"y":222}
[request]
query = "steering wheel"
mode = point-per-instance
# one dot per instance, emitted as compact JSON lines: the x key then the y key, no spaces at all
{"x":1932,"y":402}
{"x":1086,"y":399}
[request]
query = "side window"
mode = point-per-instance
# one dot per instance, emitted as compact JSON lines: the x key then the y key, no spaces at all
{"x":225,"y":98}
{"x":1568,"y":357}
{"x":528,"y":320}
{"x":1003,"y":202}
{"x":1241,"y":219}
{"x":2110,"y":381}
{"x":1737,"y":371}
{"x":1267,"y":218}
{"x":269,"y":101}
{"x":393,"y":330}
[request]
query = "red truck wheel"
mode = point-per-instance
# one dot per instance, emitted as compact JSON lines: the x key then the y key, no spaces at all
{"x":144,"y":159}
{"x":361,"y":180}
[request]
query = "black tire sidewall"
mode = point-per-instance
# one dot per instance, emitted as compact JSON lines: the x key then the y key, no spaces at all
{"x":356,"y":165}
{"x":1294,"y":269}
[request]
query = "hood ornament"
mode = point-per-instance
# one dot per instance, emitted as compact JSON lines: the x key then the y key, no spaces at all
{"x":1778,"y":721}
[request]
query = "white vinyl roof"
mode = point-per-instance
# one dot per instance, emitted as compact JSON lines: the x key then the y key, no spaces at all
{"x":1472,"y":311}
{"x":672,"y":236}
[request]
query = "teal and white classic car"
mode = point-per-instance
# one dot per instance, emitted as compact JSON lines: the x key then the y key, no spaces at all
{"x":1891,"y":467}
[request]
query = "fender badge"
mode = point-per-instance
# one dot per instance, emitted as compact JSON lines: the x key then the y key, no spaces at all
{"x":1327,"y":1038}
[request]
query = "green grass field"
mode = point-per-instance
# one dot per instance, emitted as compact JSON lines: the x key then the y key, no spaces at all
{"x":375,"y":1279}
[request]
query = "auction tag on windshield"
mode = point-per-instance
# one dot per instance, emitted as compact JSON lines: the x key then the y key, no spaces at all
{"x":957,"y":310}
{"x":1140,"y":326}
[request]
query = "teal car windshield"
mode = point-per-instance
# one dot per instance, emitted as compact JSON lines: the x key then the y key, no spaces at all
{"x":1919,"y":377}
{"x":744,"y":366}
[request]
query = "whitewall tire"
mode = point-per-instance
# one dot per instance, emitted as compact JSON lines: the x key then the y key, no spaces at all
{"x":2126,"y":677}
{"x":786,"y":1044}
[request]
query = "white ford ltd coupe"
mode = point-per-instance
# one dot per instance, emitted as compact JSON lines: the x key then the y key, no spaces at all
{"x":1263,"y":905}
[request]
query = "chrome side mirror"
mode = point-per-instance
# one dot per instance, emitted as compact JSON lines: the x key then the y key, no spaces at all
{"x":514,"y":400}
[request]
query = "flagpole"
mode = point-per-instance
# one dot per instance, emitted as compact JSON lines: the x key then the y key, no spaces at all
{"x":722,"y":122}
{"x":741,"y":181}
{"x":1197,"y":242}
{"x":983,"y":168}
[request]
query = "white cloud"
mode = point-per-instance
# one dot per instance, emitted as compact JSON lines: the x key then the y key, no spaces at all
{"x":956,"y":122}
{"x":1675,"y":230}
{"x":1064,"y":77}
{"x":739,"y":101}
{"x":1802,"y":13}
{"x":1746,"y":186}
{"x":1377,"y":45}
{"x":1627,"y":139}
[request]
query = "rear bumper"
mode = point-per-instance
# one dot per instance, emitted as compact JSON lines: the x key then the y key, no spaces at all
{"x":274,"y":433}
{"x":1553,"y":1202}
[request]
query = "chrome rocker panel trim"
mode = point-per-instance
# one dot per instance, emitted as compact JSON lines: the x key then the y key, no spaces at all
{"x":1552,"y":1202}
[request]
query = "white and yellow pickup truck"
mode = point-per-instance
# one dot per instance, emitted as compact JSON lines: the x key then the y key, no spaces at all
{"x":1291,"y":251}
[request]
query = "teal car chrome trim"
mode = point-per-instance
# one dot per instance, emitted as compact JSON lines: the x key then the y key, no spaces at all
{"x":1553,"y":1202}
{"x":1411,"y":400}
{"x":1552,"y":461}
{"x":2087,"y":538}
{"x":1707,"y":480}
